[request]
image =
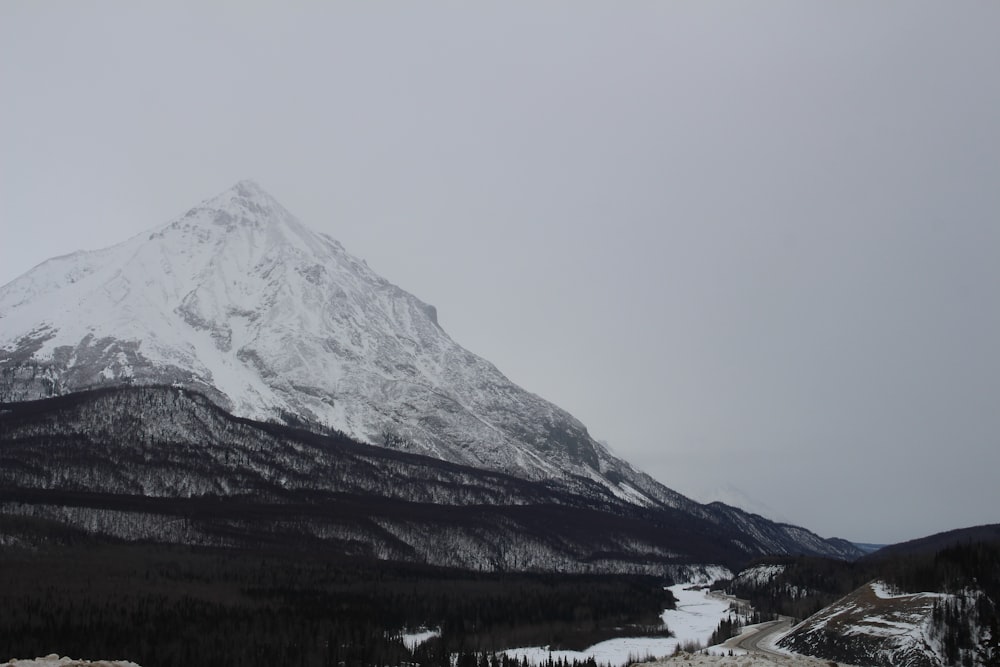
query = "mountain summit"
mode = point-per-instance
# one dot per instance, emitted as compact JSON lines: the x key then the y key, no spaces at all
{"x":240,"y":300}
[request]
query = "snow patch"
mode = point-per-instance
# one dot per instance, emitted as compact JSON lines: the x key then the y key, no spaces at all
{"x":411,"y":640}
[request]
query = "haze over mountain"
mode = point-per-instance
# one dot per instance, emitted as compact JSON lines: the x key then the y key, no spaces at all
{"x":240,"y":301}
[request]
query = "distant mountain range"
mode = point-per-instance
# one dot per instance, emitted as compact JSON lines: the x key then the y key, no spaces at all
{"x":933,"y":543}
{"x":234,"y":354}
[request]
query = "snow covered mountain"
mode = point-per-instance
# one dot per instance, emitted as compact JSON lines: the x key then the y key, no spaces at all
{"x":238,"y":300}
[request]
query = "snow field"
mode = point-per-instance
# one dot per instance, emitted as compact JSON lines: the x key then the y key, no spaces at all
{"x":694,"y":620}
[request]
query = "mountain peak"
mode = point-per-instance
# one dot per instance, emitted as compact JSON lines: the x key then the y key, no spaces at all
{"x":244,"y":204}
{"x":249,"y":188}
{"x":238,"y":298}
{"x":250,"y":191}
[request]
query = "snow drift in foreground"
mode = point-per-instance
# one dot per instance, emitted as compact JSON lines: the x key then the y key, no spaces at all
{"x":757,"y":660}
{"x":54,"y":660}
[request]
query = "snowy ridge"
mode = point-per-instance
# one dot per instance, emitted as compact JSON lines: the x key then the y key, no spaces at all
{"x":877,"y":625}
{"x":769,"y":537}
{"x":760,"y":575}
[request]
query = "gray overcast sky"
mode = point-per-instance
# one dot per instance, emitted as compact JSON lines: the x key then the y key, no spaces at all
{"x":750,"y":245}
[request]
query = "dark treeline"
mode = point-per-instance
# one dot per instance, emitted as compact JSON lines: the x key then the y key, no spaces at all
{"x":162,"y":606}
{"x":166,"y":464}
{"x":960,"y":569}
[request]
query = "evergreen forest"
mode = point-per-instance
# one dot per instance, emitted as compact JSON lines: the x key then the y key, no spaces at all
{"x":164,"y":606}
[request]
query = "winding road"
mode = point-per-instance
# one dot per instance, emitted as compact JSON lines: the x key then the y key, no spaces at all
{"x":751,"y":641}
